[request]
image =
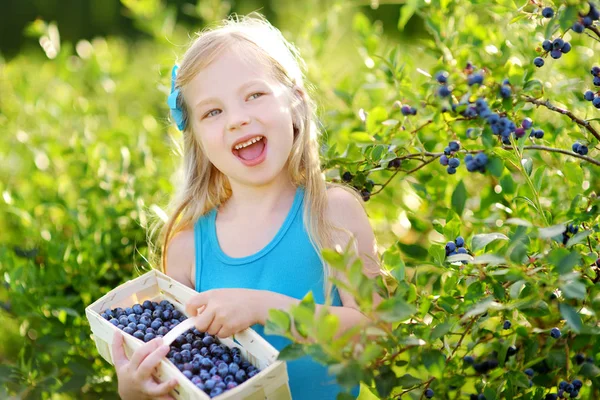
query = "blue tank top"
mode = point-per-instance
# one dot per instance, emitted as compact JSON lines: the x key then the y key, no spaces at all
{"x":288,"y":265}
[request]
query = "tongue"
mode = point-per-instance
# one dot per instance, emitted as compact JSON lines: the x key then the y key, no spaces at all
{"x":252,"y":151}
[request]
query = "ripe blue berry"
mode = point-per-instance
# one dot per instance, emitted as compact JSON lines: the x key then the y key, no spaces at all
{"x":547,"y":45}
{"x":555,"y":333}
{"x":505,"y":92}
{"x":451,"y":170}
{"x":596,"y":101}
{"x":454,"y":146}
{"x":589,"y":95}
{"x":556,"y":54}
{"x":469,"y":359}
{"x":441,"y":77}
{"x":475,"y":79}
{"x":548,"y":12}
{"x":481,"y":159}
{"x":574,"y":394}
{"x":405,"y":110}
{"x":575,"y":147}
{"x":444,"y":160}
{"x":579,"y":359}
{"x":429,"y":393}
{"x":460,"y":241}
{"x":450,"y":247}
{"x":454,"y":162}
{"x":529,"y":372}
{"x":583,"y":150}
{"x":577,"y":27}
{"x":538,"y":62}
{"x":577,"y":384}
{"x":557,"y":43}
{"x":566,"y":48}
{"x":461,"y":250}
{"x":596,"y":81}
{"x":569,"y":388}
{"x":507,"y":324}
{"x":444,"y":91}
{"x":587,"y":21}
{"x":539,"y":134}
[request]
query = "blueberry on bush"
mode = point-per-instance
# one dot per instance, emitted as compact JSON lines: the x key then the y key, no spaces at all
{"x":555,"y":333}
{"x":506,"y":325}
{"x":548,"y":12}
{"x":429,"y":393}
{"x":538,"y":62}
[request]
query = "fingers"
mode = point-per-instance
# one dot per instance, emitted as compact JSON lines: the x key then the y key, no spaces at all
{"x":162,"y":389}
{"x":223,"y":333}
{"x":140,"y":354}
{"x":204,"y":320}
{"x":150,"y":363}
{"x":197,"y":301}
{"x":118,"y":352}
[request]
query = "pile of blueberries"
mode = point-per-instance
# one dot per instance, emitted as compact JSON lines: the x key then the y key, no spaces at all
{"x":456,"y":247}
{"x":451,"y":163}
{"x":210,"y":365}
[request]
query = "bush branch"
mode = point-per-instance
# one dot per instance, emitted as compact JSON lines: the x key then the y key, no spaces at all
{"x":554,"y":150}
{"x":578,"y":121}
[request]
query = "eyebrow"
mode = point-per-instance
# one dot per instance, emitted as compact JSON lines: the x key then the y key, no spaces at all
{"x":244,"y":86}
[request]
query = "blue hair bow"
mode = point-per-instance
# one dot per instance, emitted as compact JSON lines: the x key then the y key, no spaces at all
{"x":176,"y":112}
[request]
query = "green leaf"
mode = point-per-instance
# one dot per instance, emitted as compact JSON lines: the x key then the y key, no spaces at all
{"x":327,"y":328}
{"x":528,"y":165}
{"x":407,"y":380}
{"x":395,"y":310}
{"x":571,"y":316}
{"x":538,"y":177}
{"x":574,"y":290}
{"x":481,"y":240}
{"x":578,"y":237}
{"x":495,"y":166}
{"x":291,"y":352}
{"x":361,"y":137}
{"x":459,"y":198}
{"x":385,"y":381}
{"x":551,"y":231}
{"x":280,"y":319}
{"x":565,"y":264}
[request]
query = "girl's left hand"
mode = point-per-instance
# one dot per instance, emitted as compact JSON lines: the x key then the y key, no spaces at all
{"x":224,"y":311}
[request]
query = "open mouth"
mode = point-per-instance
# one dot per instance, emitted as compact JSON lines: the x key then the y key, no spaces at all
{"x":251,"y":152}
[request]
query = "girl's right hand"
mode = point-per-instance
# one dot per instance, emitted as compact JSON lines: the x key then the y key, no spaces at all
{"x":135,"y":376}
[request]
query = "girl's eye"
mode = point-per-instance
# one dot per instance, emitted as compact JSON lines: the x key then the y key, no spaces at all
{"x":210,"y":113}
{"x":254,"y":94}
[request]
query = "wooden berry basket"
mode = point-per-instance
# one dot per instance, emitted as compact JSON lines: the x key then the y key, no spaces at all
{"x":271,"y":383}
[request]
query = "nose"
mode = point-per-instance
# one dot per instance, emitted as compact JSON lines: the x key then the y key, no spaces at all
{"x":237,"y":118}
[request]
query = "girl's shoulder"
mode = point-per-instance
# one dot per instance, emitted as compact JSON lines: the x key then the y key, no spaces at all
{"x":180,"y":257}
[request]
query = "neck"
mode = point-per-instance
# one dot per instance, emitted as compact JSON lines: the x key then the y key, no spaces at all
{"x":259,"y":201}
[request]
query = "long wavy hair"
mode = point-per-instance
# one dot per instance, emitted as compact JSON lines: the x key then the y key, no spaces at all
{"x":203,"y":187}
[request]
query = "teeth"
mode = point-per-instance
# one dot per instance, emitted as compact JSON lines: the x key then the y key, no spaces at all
{"x":248,"y":143}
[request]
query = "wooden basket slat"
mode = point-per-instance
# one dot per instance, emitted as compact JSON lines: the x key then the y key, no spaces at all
{"x":270,"y":384}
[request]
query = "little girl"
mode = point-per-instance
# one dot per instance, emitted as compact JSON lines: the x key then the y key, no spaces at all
{"x":254,"y":210}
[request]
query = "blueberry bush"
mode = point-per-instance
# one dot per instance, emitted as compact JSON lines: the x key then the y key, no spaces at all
{"x":469,"y":128}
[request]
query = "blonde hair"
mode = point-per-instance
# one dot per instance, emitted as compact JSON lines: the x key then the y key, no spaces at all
{"x":204,"y":187}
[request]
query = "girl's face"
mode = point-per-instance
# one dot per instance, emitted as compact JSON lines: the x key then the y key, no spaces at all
{"x":233,"y":101}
